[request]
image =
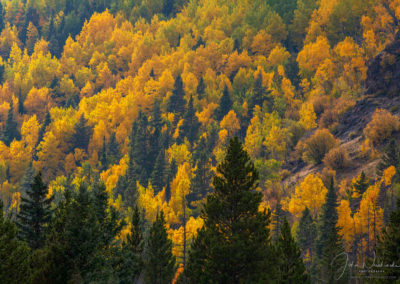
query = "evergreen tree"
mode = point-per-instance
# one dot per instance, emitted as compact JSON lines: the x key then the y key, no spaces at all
{"x":330,"y":250}
{"x":82,"y":134}
{"x":35,"y":213}
{"x":259,"y":95}
{"x":158,"y":176}
{"x":160,"y":263}
{"x":291,"y":268}
{"x":168,"y":8}
{"x":27,"y":179}
{"x":190,"y":126}
{"x":277,"y":220}
{"x":390,"y":157}
{"x":156,"y":124}
{"x":14,"y":255}
{"x":11,"y":130}
{"x":177,"y":101}
{"x":113,"y":152}
{"x":361,"y":184}
{"x":306,"y":235}
{"x":139,"y":149}
{"x":42,"y":130}
{"x":389,"y":245}
{"x":2,"y":24}
{"x":81,"y":242}
{"x":234,"y":245}
{"x":202,"y":174}
{"x":21,"y":108}
{"x":201,"y":88}
{"x":225,"y":105}
{"x":132,"y":248}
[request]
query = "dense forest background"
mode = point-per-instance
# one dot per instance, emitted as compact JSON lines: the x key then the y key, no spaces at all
{"x":125,"y":104}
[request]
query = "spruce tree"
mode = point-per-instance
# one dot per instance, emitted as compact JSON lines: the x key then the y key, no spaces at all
{"x":225,"y":105}
{"x":190,"y":126}
{"x":21,"y":108}
{"x":234,"y":245}
{"x":306,"y":235}
{"x":277,"y":220}
{"x":156,"y":124}
{"x":388,"y":251}
{"x":42,"y":130}
{"x":11,"y":130}
{"x":291,"y":268}
{"x":27,"y":179}
{"x":14,"y":254}
{"x":35,"y":213}
{"x":113,"y":150}
{"x":132,"y":252}
{"x":160,"y":263}
{"x":158,"y":176}
{"x":202,"y":174}
{"x":390,"y":157}
{"x":201,"y":88}
{"x":332,"y":258}
{"x":177,"y":101}
{"x":139,"y":149}
{"x":361,"y":184}
{"x":82,"y":134}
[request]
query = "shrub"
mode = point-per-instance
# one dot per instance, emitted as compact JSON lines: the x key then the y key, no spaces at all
{"x":316,"y":146}
{"x":381,"y":126}
{"x":329,"y":118}
{"x":337,"y":158}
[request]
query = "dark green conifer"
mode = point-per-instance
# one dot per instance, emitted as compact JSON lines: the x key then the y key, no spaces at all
{"x":361,"y":184}
{"x":82,"y":134}
{"x":225,"y":104}
{"x":160,"y":262}
{"x":306,"y":235}
{"x":330,"y":251}
{"x":11,"y":130}
{"x":234,"y":245}
{"x":390,"y":157}
{"x":46,"y":122}
{"x":158,"y":176}
{"x":177,"y":101}
{"x":14,"y":254}
{"x":190,"y":126}
{"x":35,"y":214}
{"x":388,"y":251}
{"x":291,"y":268}
{"x":201,"y":88}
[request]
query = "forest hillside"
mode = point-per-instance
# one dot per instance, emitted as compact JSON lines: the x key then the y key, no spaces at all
{"x":137,"y":116}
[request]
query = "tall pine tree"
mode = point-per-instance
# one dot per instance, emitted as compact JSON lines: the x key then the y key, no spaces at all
{"x":177,"y":101}
{"x":35,"y":213}
{"x":160,"y":263}
{"x":330,"y":251}
{"x":234,"y":245}
{"x":11,"y":130}
{"x":82,"y":134}
{"x":14,"y":254}
{"x":389,"y":245}
{"x":306,"y":235}
{"x":291,"y":268}
{"x":225,"y":105}
{"x":190,"y":126}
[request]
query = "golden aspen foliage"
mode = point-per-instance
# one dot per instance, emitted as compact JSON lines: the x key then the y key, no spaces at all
{"x":30,"y":132}
{"x":308,"y":116}
{"x":309,"y":193}
{"x":231,"y":123}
